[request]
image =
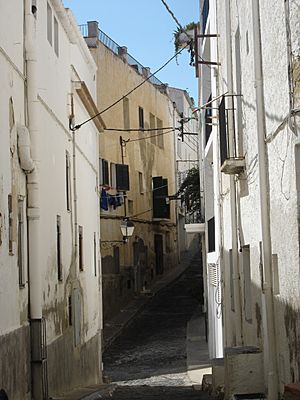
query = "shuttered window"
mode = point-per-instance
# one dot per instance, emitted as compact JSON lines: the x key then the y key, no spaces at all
{"x":122,"y":177}
{"x":141,"y":118}
{"x":160,"y":192}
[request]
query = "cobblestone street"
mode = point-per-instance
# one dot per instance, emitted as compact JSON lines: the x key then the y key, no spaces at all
{"x":149,"y":359}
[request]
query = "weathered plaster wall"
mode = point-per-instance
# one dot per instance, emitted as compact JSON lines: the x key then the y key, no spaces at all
{"x":115,"y":78}
{"x":14,"y":330}
{"x":281,"y":142}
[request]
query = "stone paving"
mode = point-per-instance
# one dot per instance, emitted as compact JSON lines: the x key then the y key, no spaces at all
{"x":148,"y":360}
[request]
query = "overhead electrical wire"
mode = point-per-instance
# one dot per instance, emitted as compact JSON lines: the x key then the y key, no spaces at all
{"x":78,"y":126}
{"x":172,"y":14}
{"x":137,"y":129}
{"x":149,"y":137}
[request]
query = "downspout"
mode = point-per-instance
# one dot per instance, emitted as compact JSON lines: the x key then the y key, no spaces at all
{"x":33,"y":207}
{"x":233,"y":207}
{"x":176,"y":180}
{"x":74,"y":268}
{"x":270,"y":337}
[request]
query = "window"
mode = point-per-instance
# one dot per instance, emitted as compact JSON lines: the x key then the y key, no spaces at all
{"x":122,"y":177}
{"x":160,"y":137}
{"x":211,"y":235}
{"x":21,"y":243}
{"x":58,"y":248}
{"x":208,"y":120}
{"x":141,"y":183}
{"x":68,"y":181}
{"x":152,"y":126}
{"x":56,"y":49}
{"x":103,"y":172}
{"x":160,"y":192}
{"x":49,"y":24}
{"x":141,"y":118}
{"x":80,"y":247}
{"x":95,"y":254}
{"x":126,"y":115}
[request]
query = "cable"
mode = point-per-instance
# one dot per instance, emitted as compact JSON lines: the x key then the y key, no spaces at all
{"x":149,"y":137}
{"x":172,"y":14}
{"x":137,"y":130}
{"x":76,"y":127}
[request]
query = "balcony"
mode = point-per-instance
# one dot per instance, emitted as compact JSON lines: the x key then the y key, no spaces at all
{"x":232,"y":163}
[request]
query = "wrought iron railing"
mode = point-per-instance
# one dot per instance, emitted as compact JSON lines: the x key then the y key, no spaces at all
{"x":115,"y":48}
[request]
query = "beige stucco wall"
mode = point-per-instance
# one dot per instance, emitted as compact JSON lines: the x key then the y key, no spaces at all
{"x":115,"y":78}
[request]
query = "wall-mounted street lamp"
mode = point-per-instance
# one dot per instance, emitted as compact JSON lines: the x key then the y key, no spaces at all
{"x":127,"y":229}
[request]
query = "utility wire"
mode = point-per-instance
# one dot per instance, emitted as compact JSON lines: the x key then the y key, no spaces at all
{"x":149,"y":137}
{"x":76,"y":127}
{"x":137,"y":130}
{"x":172,"y":14}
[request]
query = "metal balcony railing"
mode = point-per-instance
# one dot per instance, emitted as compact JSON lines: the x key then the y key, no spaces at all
{"x":115,"y":48}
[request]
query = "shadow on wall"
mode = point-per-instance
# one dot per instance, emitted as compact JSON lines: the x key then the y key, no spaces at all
{"x":287,"y":322}
{"x":3,"y":395}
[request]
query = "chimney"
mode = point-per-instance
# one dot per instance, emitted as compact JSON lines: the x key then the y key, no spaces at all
{"x":93,"y":29}
{"x":146,"y":72}
{"x":122,"y":52}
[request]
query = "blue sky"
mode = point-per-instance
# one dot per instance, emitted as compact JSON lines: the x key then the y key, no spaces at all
{"x":146,"y":29}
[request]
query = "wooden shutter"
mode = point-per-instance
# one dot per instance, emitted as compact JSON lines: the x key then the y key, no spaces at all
{"x":122,"y":177}
{"x":160,"y":191}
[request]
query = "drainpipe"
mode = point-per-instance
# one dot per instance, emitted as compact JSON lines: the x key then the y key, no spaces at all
{"x":233,"y":207}
{"x":269,"y":337}
{"x":33,"y":204}
{"x":176,"y":181}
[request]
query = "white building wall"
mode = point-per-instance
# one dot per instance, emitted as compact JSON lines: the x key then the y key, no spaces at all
{"x":58,"y":77}
{"x":14,"y":328}
{"x":281,"y":148}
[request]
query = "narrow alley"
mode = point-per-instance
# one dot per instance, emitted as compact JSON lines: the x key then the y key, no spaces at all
{"x":149,"y":359}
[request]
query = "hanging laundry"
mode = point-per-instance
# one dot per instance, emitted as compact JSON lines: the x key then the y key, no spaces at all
{"x":104,"y":200}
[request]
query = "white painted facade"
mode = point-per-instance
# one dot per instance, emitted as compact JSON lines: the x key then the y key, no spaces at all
{"x":186,"y":155}
{"x":260,"y":299}
{"x":40,"y":91}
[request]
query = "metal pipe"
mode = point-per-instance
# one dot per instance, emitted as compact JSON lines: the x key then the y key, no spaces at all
{"x":176,"y":181}
{"x":233,"y":207}
{"x":33,"y":211}
{"x":270,"y":347}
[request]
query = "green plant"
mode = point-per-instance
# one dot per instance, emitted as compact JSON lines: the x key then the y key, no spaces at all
{"x":178,"y":31}
{"x":190,"y":190}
